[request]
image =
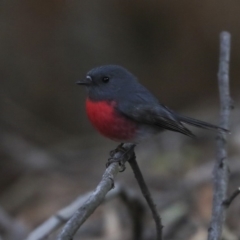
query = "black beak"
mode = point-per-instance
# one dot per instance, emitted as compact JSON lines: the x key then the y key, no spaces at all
{"x":87,"y":81}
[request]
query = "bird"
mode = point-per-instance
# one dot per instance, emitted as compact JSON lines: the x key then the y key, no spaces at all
{"x":123,"y":110}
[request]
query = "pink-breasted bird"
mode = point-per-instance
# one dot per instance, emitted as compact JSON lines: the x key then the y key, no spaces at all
{"x":122,"y":109}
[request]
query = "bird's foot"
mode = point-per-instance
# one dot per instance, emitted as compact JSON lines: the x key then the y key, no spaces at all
{"x":119,"y":148}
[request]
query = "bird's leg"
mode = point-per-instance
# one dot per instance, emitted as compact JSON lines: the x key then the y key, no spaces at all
{"x":119,"y":148}
{"x":119,"y":160}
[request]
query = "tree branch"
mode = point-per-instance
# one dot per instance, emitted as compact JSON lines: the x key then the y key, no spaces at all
{"x":138,"y":175}
{"x":63,"y":215}
{"x":220,"y":174}
{"x":96,"y":198}
{"x":132,"y":200}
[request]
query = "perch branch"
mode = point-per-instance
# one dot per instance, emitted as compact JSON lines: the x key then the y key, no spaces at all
{"x":95,"y":199}
{"x":138,"y":175}
{"x":63,"y":215}
{"x":130,"y":199}
{"x":55,"y":221}
{"x":220,"y":174}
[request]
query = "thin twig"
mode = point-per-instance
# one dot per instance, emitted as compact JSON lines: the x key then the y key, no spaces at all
{"x":220,"y":175}
{"x":138,"y":175}
{"x":130,"y":198}
{"x":55,"y":221}
{"x":136,"y":209}
{"x":96,"y":198}
{"x":229,"y":200}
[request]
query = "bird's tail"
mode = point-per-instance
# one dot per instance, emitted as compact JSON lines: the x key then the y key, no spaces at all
{"x":200,"y":124}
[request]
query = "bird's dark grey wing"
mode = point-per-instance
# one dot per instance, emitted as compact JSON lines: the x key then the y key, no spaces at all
{"x":155,"y":115}
{"x":143,"y":107}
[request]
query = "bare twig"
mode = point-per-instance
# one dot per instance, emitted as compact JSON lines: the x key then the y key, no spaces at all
{"x":65,"y":214}
{"x":221,"y":165}
{"x":129,"y":198}
{"x":91,"y":204}
{"x":96,"y":198}
{"x":136,"y":210}
{"x":138,"y":175}
{"x":229,"y":200}
{"x":57,"y":220}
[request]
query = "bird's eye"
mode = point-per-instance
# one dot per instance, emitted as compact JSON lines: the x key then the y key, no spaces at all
{"x":105,"y":79}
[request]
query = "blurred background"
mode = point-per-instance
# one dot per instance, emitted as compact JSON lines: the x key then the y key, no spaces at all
{"x":50,"y":154}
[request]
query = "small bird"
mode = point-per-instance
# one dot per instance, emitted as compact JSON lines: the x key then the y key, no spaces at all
{"x":122,"y":109}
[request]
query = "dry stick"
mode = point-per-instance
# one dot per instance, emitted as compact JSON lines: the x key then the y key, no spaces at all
{"x":63,"y":215}
{"x":228,"y":201}
{"x":136,"y":209}
{"x":220,"y":174}
{"x":138,"y":175}
{"x":130,"y":199}
{"x":96,"y":198}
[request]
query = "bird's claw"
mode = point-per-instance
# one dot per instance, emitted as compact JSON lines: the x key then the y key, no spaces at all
{"x":119,"y":148}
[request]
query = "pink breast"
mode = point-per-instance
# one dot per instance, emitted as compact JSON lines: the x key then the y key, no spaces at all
{"x":109,"y":122}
